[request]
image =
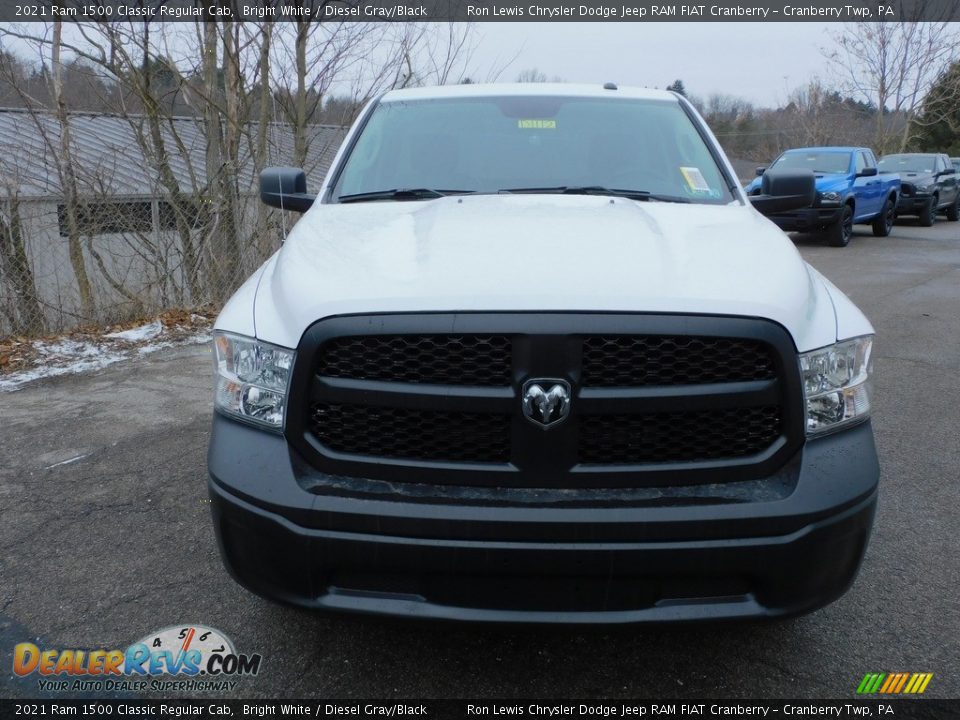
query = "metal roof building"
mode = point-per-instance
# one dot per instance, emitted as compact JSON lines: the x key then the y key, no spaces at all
{"x":112,"y":154}
{"x":136,"y":257}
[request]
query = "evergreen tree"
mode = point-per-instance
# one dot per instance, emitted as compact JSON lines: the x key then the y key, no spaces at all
{"x":677,"y":87}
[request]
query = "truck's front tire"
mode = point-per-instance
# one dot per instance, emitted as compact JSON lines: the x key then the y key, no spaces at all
{"x":953,"y":212}
{"x":928,"y":215}
{"x":883,"y":223}
{"x":839,"y":234}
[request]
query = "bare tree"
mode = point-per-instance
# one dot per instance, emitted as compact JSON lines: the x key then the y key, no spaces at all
{"x":234,"y":82}
{"x":25,"y":313}
{"x":893,"y":65}
{"x":68,"y":179}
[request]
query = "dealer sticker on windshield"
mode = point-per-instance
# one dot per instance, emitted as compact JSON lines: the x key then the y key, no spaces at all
{"x":695,"y":179}
{"x":537,"y":124}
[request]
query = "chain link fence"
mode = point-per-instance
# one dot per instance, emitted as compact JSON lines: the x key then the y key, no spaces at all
{"x":114,"y":253}
{"x":136,"y":257}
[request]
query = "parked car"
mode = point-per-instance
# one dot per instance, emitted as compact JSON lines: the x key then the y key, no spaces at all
{"x":955,"y":161}
{"x":532,"y":355}
{"x":929,"y":184}
{"x":850,"y":189}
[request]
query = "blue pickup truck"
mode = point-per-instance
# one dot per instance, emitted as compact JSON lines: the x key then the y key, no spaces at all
{"x":850,"y":189}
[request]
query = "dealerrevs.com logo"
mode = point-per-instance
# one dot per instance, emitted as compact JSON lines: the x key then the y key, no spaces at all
{"x":203,"y":656}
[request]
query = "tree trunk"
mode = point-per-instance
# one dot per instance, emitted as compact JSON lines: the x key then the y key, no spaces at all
{"x":264,"y":238}
{"x":13,"y":256}
{"x":68,"y":182}
{"x":300,"y":106}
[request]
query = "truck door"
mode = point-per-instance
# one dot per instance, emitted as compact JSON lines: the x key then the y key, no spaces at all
{"x":868,"y":191}
{"x":949,"y":183}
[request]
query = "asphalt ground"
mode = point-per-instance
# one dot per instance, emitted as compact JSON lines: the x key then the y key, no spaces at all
{"x":97,"y":552}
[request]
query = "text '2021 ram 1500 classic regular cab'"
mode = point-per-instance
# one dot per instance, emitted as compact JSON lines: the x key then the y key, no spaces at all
{"x":850,"y":189}
{"x":531,"y":355}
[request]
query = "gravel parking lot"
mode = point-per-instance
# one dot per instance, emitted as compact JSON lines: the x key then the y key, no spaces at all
{"x":105,"y":536}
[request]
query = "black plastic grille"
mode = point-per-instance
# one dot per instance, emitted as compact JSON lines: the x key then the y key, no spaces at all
{"x":677,"y":437}
{"x":415,"y":402}
{"x":412,"y":434}
{"x":479,"y":360}
{"x":641,"y":360}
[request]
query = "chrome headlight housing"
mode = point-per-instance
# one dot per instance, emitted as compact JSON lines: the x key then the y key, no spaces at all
{"x":253,"y":379}
{"x":837,"y":385}
{"x":830,"y":198}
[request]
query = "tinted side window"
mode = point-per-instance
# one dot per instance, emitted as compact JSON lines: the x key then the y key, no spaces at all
{"x":861,"y":162}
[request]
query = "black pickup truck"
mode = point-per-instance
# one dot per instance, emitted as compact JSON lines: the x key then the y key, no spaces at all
{"x":929,"y":184}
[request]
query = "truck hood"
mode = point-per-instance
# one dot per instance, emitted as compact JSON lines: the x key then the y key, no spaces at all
{"x":921,"y":179}
{"x":535,"y":253}
{"x":824,"y":183}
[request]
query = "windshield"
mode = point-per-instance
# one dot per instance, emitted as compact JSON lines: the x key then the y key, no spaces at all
{"x":549,"y":144}
{"x":821,"y":163}
{"x":907,"y":163}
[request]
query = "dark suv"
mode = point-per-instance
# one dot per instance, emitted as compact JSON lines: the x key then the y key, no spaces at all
{"x":929,"y":185}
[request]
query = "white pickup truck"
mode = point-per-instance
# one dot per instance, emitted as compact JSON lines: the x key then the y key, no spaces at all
{"x":532,"y":355}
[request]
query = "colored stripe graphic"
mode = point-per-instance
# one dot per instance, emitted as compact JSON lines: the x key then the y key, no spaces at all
{"x":870,"y":683}
{"x":894,"y":683}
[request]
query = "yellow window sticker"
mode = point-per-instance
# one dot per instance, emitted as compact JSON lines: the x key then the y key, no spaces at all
{"x":537,"y":124}
{"x":695,"y":179}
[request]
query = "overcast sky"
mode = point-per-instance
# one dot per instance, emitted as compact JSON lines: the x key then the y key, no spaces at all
{"x":760,"y":62}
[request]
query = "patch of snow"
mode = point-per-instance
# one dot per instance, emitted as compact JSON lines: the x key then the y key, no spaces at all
{"x":70,"y":357}
{"x":148,"y":349}
{"x":15,"y":380}
{"x":138,"y":334}
{"x":68,"y":349}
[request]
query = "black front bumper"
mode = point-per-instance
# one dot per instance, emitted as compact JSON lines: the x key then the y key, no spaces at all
{"x":807,"y":219}
{"x":912,"y":204}
{"x":772,"y":550}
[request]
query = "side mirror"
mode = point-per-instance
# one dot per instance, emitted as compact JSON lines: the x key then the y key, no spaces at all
{"x":867,"y":172}
{"x":785,"y":191}
{"x":761,"y":171}
{"x":948,"y":171}
{"x":285,"y":188}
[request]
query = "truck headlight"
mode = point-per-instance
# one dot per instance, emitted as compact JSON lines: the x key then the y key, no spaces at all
{"x":836,"y":384}
{"x":830,"y":198}
{"x":252,"y":378}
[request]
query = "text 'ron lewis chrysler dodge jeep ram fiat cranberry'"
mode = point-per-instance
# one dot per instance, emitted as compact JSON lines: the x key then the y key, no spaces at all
{"x":532,"y":355}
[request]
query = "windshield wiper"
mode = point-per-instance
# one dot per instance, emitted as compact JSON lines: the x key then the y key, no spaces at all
{"x":401,"y":194}
{"x":599,"y":190}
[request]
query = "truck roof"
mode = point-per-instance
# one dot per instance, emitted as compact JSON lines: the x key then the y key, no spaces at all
{"x":525,"y":89}
{"x":827,"y":148}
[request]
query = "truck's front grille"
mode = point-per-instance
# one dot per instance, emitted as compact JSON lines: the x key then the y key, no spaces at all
{"x":643,"y":360}
{"x":402,"y":433}
{"x":482,"y":360}
{"x":395,"y":397}
{"x":677,"y":437}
